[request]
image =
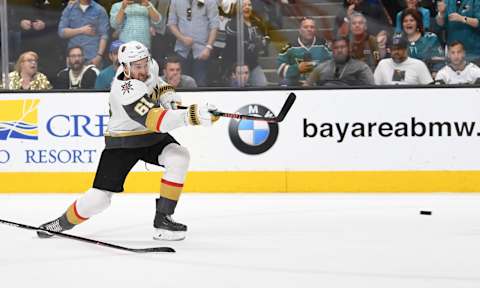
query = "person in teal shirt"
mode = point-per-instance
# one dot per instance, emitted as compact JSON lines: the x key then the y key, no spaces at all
{"x":460,"y":19}
{"x":105,"y":78}
{"x":132,"y":20}
{"x":423,"y":45}
{"x":296,"y":60}
{"x":413,"y":4}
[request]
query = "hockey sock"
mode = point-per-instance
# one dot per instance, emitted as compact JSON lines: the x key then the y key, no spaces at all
{"x":169,"y":195}
{"x":72,"y":216}
{"x":91,"y":203}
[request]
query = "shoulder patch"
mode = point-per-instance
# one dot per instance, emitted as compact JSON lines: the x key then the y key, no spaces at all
{"x":321,"y":41}
{"x":285,"y":48}
{"x":430,"y":35}
{"x":126,"y":87}
{"x":131,"y":90}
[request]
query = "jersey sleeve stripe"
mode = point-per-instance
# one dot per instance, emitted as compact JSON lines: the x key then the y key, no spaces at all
{"x":153,"y":118}
{"x":160,"y":118}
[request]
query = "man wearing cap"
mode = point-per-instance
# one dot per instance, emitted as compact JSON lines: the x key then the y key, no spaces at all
{"x":105,"y":78}
{"x":401,"y":69}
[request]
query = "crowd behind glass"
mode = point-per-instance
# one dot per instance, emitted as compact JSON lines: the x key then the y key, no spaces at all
{"x":74,"y":44}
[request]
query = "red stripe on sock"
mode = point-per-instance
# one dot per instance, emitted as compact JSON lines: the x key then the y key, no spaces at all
{"x":159,"y":121}
{"x":76,"y":212}
{"x":166,"y":182}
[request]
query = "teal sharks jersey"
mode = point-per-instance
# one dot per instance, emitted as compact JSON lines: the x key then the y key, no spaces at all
{"x":294,"y":53}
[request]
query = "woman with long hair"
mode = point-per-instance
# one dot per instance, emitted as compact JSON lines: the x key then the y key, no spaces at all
{"x":255,"y":41}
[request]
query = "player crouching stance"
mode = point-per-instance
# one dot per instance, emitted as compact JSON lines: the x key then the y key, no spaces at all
{"x":142,"y":113}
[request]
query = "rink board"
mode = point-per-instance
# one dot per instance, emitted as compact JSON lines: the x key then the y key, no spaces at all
{"x":374,"y":140}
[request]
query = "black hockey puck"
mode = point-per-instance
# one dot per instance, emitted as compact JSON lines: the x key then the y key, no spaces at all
{"x":425,"y":212}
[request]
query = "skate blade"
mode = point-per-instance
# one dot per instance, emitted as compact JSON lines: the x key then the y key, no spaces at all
{"x":167,"y":235}
{"x":44,"y":234}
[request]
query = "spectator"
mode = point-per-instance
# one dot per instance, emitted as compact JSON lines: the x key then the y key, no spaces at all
{"x":255,"y":41}
{"x":365,"y":47}
{"x":401,"y":69}
{"x":341,"y":69}
{"x":458,"y":70}
{"x":77,"y":75}
{"x":85,"y":24}
{"x":26,"y":75}
{"x":296,"y":60}
{"x":415,"y":5}
{"x":194,"y":24}
{"x":240,"y":75}
{"x":172,"y":74}
{"x":105,"y":78}
{"x":460,"y":19}
{"x":162,"y":40}
{"x":423,"y":45}
{"x":379,"y":20}
{"x":38,"y":22}
{"x":132,"y":20}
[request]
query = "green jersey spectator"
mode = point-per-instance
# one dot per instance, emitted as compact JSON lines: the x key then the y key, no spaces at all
{"x":296,"y":60}
{"x":423,"y":45}
{"x":460,"y":19}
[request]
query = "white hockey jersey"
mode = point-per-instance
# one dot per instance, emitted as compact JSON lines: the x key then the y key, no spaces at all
{"x":466,"y":76}
{"x":132,"y":117}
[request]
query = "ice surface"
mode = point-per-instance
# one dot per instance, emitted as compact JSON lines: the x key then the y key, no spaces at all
{"x":252,"y":240}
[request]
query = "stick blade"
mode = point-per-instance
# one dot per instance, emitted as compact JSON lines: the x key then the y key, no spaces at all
{"x":286,"y":107}
{"x":155,"y":250}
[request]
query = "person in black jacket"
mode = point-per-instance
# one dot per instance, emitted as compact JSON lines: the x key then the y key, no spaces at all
{"x":38,"y":23}
{"x":255,"y":40}
{"x":77,"y":75}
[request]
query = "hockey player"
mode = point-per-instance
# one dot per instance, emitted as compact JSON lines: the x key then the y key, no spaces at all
{"x":142,"y":113}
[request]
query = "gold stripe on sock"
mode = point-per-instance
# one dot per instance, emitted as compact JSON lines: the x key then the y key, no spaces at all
{"x":170,"y":190}
{"x":72,"y":215}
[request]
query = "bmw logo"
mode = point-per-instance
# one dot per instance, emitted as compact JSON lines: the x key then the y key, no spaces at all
{"x":253,"y":137}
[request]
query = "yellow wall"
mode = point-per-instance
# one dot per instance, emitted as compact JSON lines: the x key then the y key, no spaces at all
{"x":350,"y":181}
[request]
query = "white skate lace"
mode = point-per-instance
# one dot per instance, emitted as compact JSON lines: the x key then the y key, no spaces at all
{"x":54,"y":226}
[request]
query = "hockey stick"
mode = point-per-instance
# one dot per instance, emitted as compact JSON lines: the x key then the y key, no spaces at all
{"x":100,"y":243}
{"x":283,"y":112}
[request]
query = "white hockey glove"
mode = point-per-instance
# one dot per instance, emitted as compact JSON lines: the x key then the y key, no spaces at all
{"x":201,"y":115}
{"x":170,"y":100}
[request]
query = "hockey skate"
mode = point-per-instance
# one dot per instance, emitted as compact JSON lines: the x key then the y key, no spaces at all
{"x":56,"y":225}
{"x":167,"y":229}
